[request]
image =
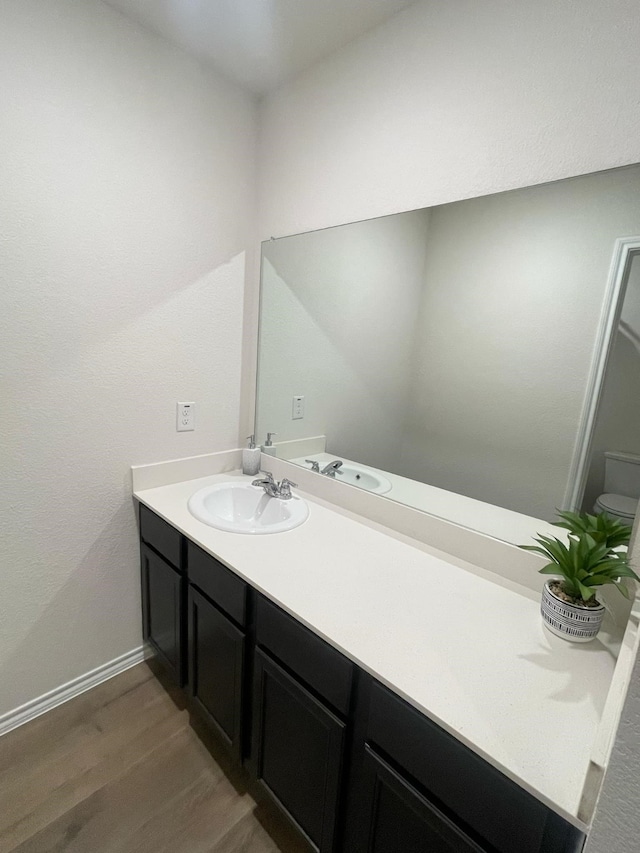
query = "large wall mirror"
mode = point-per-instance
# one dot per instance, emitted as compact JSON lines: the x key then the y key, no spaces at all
{"x":444,"y":356}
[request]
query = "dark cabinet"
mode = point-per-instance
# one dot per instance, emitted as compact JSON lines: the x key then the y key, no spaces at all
{"x":298,"y":746}
{"x":163,"y":624}
{"x":397,"y":819}
{"x":356,"y":768}
{"x":216,"y":667}
{"x":410,"y":773}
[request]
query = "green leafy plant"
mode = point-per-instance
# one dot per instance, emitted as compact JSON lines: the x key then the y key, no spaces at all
{"x":588,"y":559}
{"x":602,"y":528}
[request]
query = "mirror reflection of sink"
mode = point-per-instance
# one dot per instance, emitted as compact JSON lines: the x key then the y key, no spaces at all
{"x":354,"y":475}
{"x":241,"y":508}
{"x":364,"y":478}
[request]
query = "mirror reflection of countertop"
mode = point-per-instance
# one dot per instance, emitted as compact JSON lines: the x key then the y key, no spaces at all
{"x":486,"y":518}
{"x":464,"y":646}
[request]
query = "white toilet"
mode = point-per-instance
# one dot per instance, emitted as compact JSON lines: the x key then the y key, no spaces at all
{"x":622,"y":486}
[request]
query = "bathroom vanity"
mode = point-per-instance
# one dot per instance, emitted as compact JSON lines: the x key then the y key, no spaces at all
{"x":376,"y":716}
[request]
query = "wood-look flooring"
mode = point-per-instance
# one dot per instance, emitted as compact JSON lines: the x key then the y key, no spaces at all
{"x":121,"y":769}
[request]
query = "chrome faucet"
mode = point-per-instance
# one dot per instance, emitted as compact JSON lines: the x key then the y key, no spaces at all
{"x":315,"y":465}
{"x":332,"y":468}
{"x":274,"y":489}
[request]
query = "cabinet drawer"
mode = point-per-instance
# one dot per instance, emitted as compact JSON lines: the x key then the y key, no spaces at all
{"x":317,"y":663}
{"x":162,"y":537}
{"x":222,"y":586}
{"x":508,"y":817}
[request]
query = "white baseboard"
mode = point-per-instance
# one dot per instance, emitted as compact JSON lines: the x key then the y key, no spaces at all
{"x":42,"y":704}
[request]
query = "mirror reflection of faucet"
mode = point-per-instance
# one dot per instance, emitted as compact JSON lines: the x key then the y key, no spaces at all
{"x":332,"y":468}
{"x":329,"y":470}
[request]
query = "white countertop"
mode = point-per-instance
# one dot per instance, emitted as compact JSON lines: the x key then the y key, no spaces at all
{"x":465,"y":647}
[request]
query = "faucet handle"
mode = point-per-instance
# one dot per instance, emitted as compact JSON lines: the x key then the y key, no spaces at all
{"x":284,"y":489}
{"x":315,"y":465}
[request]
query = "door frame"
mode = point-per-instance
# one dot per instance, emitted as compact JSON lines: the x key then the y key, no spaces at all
{"x":624,"y":251}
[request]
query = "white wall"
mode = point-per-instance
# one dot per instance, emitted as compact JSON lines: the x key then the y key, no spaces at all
{"x":339,"y":309}
{"x":514,"y":286}
{"x":452,"y":100}
{"x":127,"y":174}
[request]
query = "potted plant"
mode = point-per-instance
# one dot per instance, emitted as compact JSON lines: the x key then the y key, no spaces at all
{"x":591,"y":558}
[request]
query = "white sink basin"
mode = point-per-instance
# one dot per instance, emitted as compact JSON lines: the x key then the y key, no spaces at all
{"x":241,"y":508}
{"x":365,"y":478}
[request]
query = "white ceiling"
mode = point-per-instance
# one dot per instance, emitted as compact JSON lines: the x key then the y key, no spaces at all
{"x":260,"y":43}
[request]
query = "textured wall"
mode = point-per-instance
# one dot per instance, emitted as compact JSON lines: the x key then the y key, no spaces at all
{"x":127,"y":176}
{"x":451,"y":100}
{"x":616,"y":828}
{"x":616,"y":825}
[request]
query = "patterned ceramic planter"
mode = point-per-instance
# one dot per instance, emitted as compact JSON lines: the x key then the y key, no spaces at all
{"x":570,"y":621}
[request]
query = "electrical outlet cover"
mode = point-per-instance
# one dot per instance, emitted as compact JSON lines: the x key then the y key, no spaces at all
{"x":297,"y":410}
{"x":185,"y":417}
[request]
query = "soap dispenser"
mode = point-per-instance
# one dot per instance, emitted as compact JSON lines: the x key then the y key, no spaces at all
{"x":268,"y":447}
{"x":251,"y":457}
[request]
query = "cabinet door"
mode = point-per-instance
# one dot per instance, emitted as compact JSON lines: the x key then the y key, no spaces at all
{"x":398,"y":819}
{"x":297,"y":748}
{"x":216,"y":656}
{"x":162,"y":613}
